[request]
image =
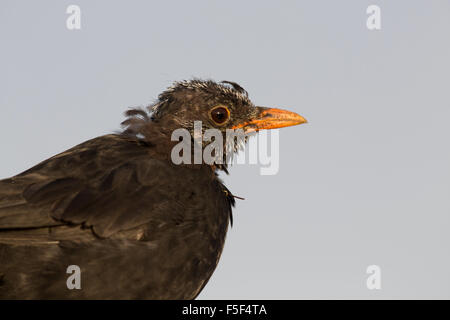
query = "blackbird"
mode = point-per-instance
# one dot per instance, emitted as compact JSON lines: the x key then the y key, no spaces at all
{"x":134,"y":223}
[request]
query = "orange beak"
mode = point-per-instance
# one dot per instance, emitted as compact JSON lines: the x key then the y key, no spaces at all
{"x":271,"y":118}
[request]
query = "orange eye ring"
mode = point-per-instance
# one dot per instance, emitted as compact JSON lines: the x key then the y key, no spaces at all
{"x":219,"y":115}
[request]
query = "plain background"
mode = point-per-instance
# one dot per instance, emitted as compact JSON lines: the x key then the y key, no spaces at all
{"x":367,"y":181}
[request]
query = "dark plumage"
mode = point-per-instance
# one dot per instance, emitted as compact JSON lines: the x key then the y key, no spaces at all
{"x":138,"y":225}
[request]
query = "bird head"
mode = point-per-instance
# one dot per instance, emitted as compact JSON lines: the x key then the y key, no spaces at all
{"x":220,"y":106}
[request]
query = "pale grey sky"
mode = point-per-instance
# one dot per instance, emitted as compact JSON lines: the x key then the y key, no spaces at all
{"x":366,"y":182}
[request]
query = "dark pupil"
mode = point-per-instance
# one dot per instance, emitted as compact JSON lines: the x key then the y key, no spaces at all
{"x":219,"y":115}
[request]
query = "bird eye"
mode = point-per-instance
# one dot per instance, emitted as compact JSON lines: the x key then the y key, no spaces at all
{"x":220,"y":114}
